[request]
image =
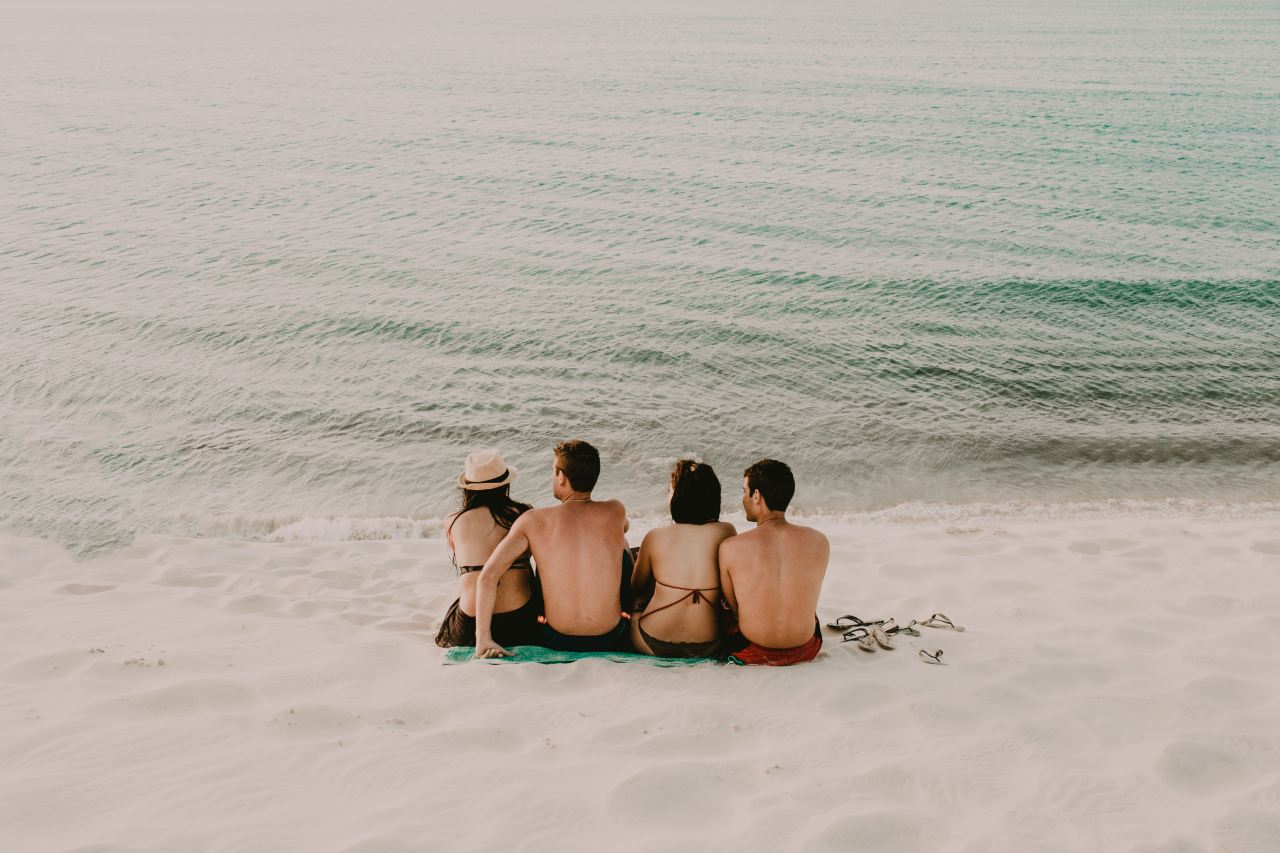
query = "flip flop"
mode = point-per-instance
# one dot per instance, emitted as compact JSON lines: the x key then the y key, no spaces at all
{"x":940,"y":620}
{"x":891,"y":627}
{"x":862,"y":636}
{"x":932,"y":657}
{"x":844,"y":623}
{"x":881,"y":638}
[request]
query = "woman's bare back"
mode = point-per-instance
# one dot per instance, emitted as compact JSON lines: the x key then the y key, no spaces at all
{"x":681,"y":561}
{"x":474,"y":535}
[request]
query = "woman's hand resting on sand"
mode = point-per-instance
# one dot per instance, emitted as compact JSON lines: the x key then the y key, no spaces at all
{"x":490,"y":649}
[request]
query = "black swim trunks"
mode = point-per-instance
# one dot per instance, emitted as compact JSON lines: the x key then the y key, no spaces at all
{"x":514,"y":628}
{"x":614,"y":640}
{"x":617,"y":639}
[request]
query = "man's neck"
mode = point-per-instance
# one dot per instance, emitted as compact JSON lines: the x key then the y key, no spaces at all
{"x":771,"y":517}
{"x":576,"y":498}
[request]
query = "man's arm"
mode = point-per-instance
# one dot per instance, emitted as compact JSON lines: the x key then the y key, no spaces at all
{"x":511,"y":547}
{"x":726,"y":580}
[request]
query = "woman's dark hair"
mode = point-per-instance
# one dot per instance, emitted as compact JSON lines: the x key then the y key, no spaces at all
{"x":695,"y":493}
{"x":498,"y":501}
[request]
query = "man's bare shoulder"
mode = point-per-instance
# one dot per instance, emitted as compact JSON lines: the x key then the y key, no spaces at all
{"x":812,"y":536}
{"x":742,"y":541}
{"x":532,"y":517}
{"x":811,"y":540}
{"x":614,"y":505}
{"x":611,"y":508}
{"x":811,"y":533}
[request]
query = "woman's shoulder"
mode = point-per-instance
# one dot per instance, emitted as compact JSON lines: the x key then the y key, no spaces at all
{"x":467,"y":519}
{"x":453,"y":519}
{"x":657,"y":535}
{"x":717,"y":529}
{"x":679,"y":538}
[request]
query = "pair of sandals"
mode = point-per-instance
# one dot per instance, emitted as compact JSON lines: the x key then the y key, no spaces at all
{"x":868,"y":637}
{"x":868,"y":634}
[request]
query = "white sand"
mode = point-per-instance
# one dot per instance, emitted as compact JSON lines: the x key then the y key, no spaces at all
{"x":1117,"y":690}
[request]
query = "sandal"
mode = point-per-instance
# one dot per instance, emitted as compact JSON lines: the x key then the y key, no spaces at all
{"x":844,"y":623}
{"x":932,"y":657}
{"x":881,"y":638}
{"x":891,"y":626}
{"x":862,"y":636}
{"x":940,"y":620}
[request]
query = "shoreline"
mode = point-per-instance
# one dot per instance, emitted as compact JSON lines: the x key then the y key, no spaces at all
{"x":337,"y":528}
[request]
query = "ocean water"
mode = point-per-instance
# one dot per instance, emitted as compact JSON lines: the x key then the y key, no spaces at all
{"x":274,"y":267}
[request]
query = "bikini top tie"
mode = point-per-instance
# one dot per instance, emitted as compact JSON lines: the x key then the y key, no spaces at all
{"x":693,"y":595}
{"x":523,"y":562}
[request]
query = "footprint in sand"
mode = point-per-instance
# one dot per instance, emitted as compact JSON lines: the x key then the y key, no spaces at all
{"x":1205,"y":766}
{"x":192,"y":696}
{"x":1208,"y":605}
{"x":1093,"y":547}
{"x":252,"y":604}
{"x":888,"y":831}
{"x":83,"y":589}
{"x":178,"y":577}
{"x":1228,"y":691}
{"x":645,"y":797}
{"x":50,"y":666}
{"x":312,"y":608}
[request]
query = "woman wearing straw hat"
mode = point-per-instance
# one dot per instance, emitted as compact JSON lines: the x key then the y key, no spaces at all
{"x":486,"y":514}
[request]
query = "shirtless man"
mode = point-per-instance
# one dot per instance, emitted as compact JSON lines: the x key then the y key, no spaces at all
{"x":580,"y":549}
{"x":771,"y":576}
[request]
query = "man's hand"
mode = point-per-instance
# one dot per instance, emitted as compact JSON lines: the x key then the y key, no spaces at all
{"x":490,"y":649}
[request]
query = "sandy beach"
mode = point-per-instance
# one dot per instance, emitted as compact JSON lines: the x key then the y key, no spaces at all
{"x":999,"y":281}
{"x":1117,"y":688}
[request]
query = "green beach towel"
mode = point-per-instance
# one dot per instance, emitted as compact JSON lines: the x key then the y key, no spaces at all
{"x":537,"y":654}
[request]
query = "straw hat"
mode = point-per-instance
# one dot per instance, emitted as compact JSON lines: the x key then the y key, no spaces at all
{"x":484,"y":469}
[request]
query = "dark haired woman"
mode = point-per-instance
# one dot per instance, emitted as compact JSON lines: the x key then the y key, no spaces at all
{"x":680,"y":564}
{"x":486,"y":515}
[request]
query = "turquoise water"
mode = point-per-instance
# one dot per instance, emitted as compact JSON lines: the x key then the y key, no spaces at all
{"x":266,"y":264}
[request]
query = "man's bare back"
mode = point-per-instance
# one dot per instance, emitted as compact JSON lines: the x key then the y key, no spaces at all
{"x":772,"y":575}
{"x":578,"y":548}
